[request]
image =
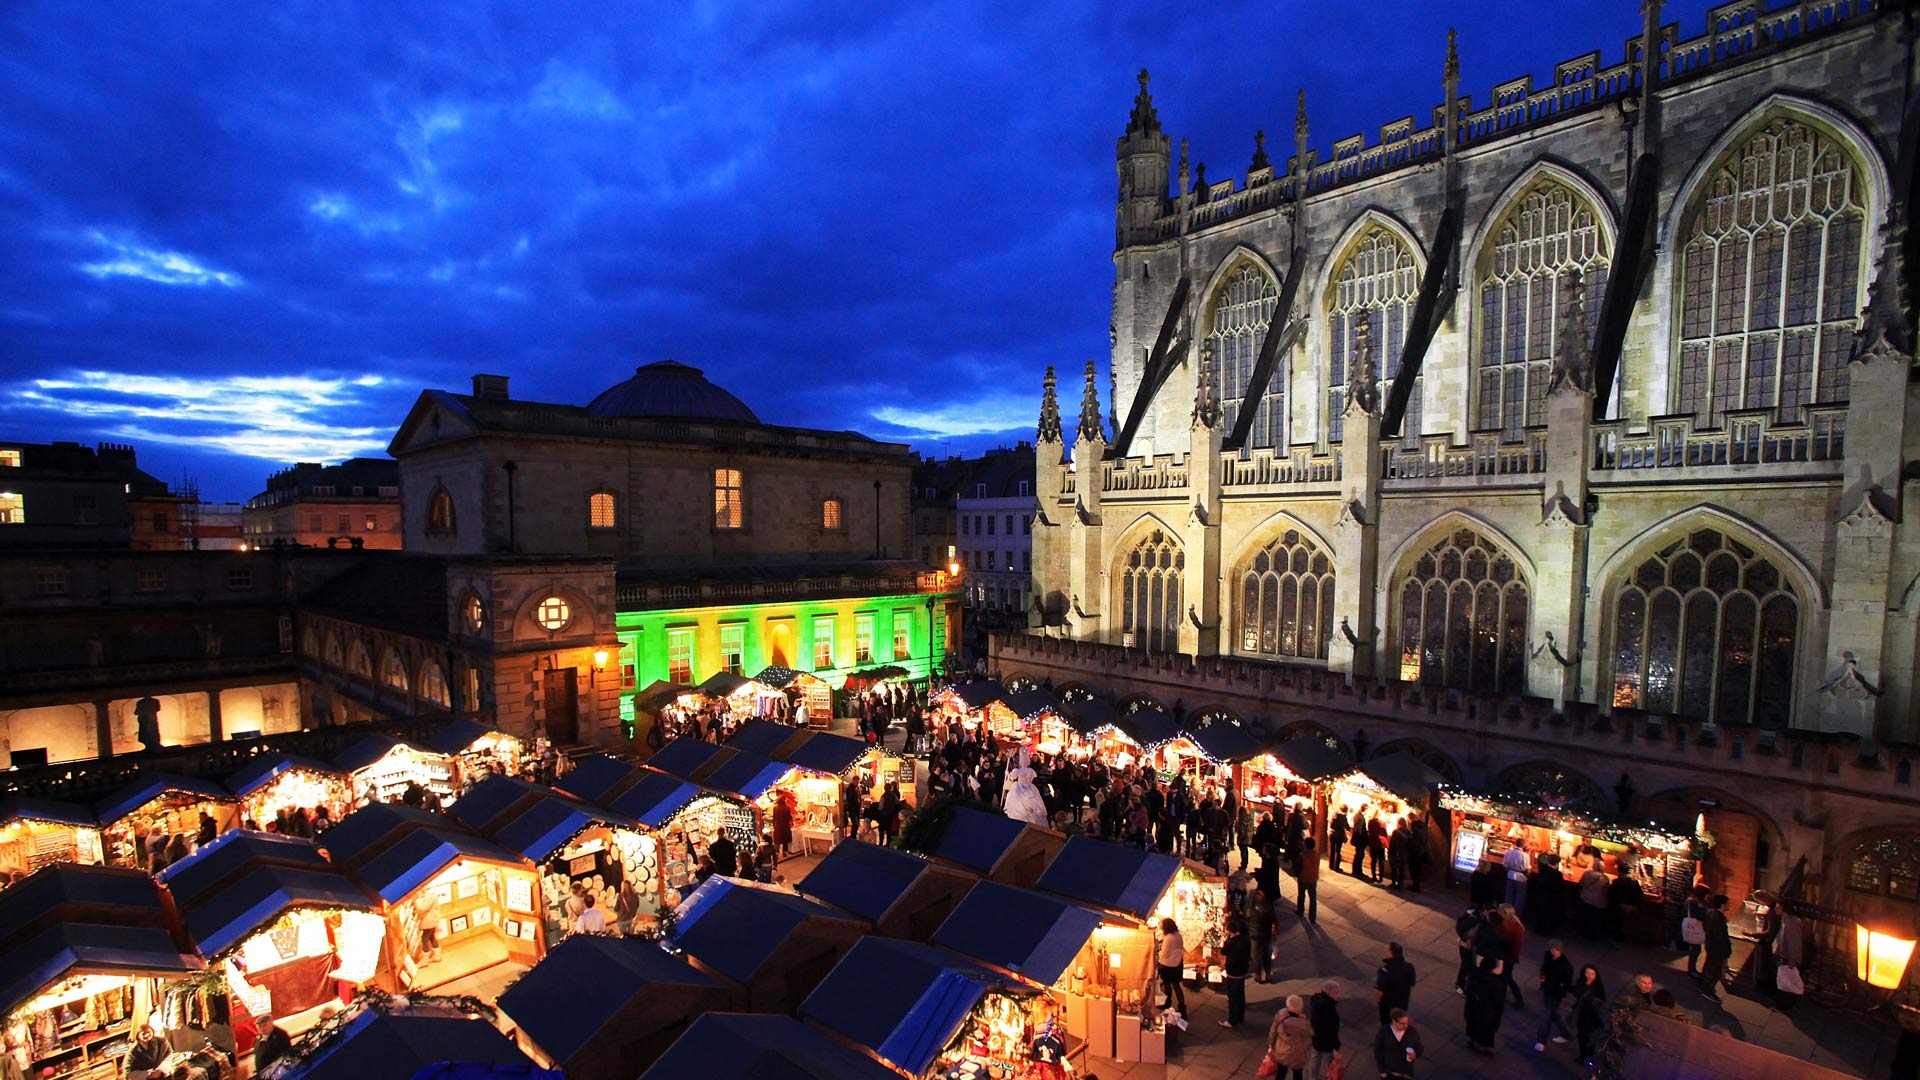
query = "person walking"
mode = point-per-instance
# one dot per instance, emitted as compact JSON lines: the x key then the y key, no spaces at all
{"x":782,"y":825}
{"x":626,"y":907}
{"x":1593,"y":903}
{"x":1518,"y":866}
{"x":1466,"y":931}
{"x":1170,"y":960}
{"x":1323,"y":1016}
{"x":1589,"y":1010}
{"x":1399,"y":854}
{"x":1237,"y":963}
{"x":1719,"y":947}
{"x":1419,"y":854}
{"x":1393,"y":983}
{"x":1486,"y":1004}
{"x":1260,"y":926}
{"x":1290,"y":1039}
{"x":1242,"y":832}
{"x":1377,"y":849}
{"x":1337,"y":841}
{"x":1516,"y":944}
{"x":1693,"y":928}
{"x":1307,"y":904}
{"x":1556,"y":982}
{"x":1396,"y":1048}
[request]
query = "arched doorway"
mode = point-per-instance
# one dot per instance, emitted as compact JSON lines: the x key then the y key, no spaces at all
{"x":1745,"y":842}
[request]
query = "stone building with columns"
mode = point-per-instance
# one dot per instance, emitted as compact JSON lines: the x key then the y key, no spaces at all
{"x":1582,"y":409}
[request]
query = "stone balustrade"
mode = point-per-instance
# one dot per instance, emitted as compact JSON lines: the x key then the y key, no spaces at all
{"x":1742,"y":437}
{"x":1163,"y":472}
{"x":1271,"y":467}
{"x":654,"y":595}
{"x":1485,"y":455}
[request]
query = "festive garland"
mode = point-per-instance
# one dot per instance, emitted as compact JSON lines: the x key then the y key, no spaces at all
{"x":923,"y":828}
{"x":1520,"y":808}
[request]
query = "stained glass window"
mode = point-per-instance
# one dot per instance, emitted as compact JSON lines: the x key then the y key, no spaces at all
{"x":1241,"y":313}
{"x":1463,"y":617}
{"x":1705,"y":628}
{"x":1770,"y":277}
{"x":1286,"y":605}
{"x":1150,"y":594}
{"x":1379,"y":276}
{"x":433,"y":685}
{"x":1887,"y":867}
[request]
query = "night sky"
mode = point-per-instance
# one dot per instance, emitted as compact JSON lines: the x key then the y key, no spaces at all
{"x":240,"y":235}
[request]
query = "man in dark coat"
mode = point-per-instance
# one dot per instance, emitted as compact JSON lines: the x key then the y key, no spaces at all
{"x":1393,"y":983}
{"x":726,"y":859}
{"x":1718,"y":948}
{"x":1337,"y":839}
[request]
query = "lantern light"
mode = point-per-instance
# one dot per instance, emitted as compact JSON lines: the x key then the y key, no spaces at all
{"x":599,"y":659}
{"x":1882,"y":951}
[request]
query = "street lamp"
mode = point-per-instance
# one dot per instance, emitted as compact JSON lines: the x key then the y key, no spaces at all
{"x":1882,"y":949}
{"x":599,"y":659}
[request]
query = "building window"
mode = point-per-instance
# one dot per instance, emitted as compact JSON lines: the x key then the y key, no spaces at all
{"x":50,"y":581}
{"x":863,"y":639}
{"x":1888,"y":867}
{"x":323,"y":489}
{"x":1378,"y":278}
{"x":346,"y":524}
{"x":331,"y":651}
{"x":979,"y":491}
{"x":629,"y":670}
{"x":822,"y":643}
{"x":733,"y":649}
{"x":358,"y":491}
{"x":393,"y":672}
{"x":433,"y":685}
{"x":150,"y":579}
{"x":475,"y":614}
{"x":1150,"y":594}
{"x":9,"y":459}
{"x":1026,"y":487}
{"x":389,"y":491}
{"x":162,"y":522}
{"x":1009,"y":524}
{"x":1770,"y":281}
{"x":1026,"y":525}
{"x":1705,"y":628}
{"x":976,"y":561}
{"x":830,"y":514}
{"x":1463,"y":617}
{"x":313,"y":523}
{"x":83,"y":510}
{"x":680,"y":657}
{"x":1549,"y":234}
{"x":1026,"y":561}
{"x":440,"y":513}
{"x":13,"y":508}
{"x":1286,"y":600}
{"x":902,"y":635}
{"x":964,"y":531}
{"x":373,"y":523}
{"x":729,"y":499}
{"x":600,"y":510}
{"x":361,"y":661}
{"x":553,"y":614}
{"x":240,"y":577}
{"x":1242,"y":309}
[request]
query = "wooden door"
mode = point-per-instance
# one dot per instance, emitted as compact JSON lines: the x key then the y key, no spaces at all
{"x":563,"y":706}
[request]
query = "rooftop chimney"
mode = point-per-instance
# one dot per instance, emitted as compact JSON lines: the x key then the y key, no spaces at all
{"x":490,"y":387}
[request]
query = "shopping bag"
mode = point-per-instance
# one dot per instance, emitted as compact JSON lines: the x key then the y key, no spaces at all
{"x":1787,"y":978}
{"x":1337,"y":1068}
{"x":1693,"y":931}
{"x":1268,"y":1067}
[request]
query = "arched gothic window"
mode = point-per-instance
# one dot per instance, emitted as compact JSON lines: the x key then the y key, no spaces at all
{"x":1888,"y":867}
{"x":394,"y":673}
{"x":1545,"y":235}
{"x":1705,"y":628}
{"x":1150,"y":593}
{"x":1241,"y":313}
{"x":600,"y":512}
{"x":1553,"y":785}
{"x":360,"y":661}
{"x":1463,"y":617}
{"x":433,"y":685}
{"x":334,"y":656}
{"x":1379,"y":276}
{"x":1770,"y":281}
{"x":440,"y":513}
{"x":1286,"y":600}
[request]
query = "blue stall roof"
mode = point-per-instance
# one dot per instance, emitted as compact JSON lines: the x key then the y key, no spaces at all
{"x":720,"y":684}
{"x":749,"y":776}
{"x":374,"y":826}
{"x":981,"y":693}
{"x":67,"y":949}
{"x":825,"y":752}
{"x":761,"y":1046}
{"x":151,"y":786}
{"x":71,"y":884}
{"x":377,"y":1044}
{"x":1110,"y":876}
{"x":547,"y":1004}
{"x":542,"y":829}
{"x":226,"y":917}
{"x":902,"y":1000}
{"x":230,"y":853}
{"x":28,"y":808}
{"x":263,"y":770}
{"x":596,"y":778}
{"x":396,"y":872}
{"x":734,"y":926}
{"x":459,"y":736}
{"x":1087,"y":717}
{"x":1406,"y":776}
{"x":658,"y":797}
{"x":863,"y":878}
{"x":976,"y":839}
{"x":365,"y":752}
{"x":1029,"y":934}
{"x":683,"y":756}
{"x":763,"y":737}
{"x":1225,"y":742}
{"x":488,"y":801}
{"x":1031,"y":703}
{"x":1310,"y":758}
{"x":1148,"y":727}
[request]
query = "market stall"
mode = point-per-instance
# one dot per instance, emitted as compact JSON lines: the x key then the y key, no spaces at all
{"x":164,"y":806}
{"x":755,"y":1046}
{"x":929,"y":1012}
{"x":643,"y":996}
{"x":766,"y":737}
{"x":40,"y":832}
{"x":574,"y":845}
{"x":809,"y":698}
{"x":1664,"y":861}
{"x":272,"y":786}
{"x":1291,"y":775}
{"x":232,"y":857}
{"x":86,"y":953}
{"x":836,"y":759}
{"x":476,"y":750}
{"x":994,"y":846}
{"x":903,"y":895}
{"x":887,"y":688}
{"x":1144,"y":888}
{"x":978,"y":705}
{"x":686,"y":757}
{"x":661,"y":699}
{"x":769,"y":946}
{"x":1042,"y":719}
{"x":1205,"y":756}
{"x":414,"y":1036}
{"x":598,"y":779}
{"x":685,"y":819}
{"x":382,"y":769}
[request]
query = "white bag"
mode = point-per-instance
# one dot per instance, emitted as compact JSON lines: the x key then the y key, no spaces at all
{"x":1693,"y":931}
{"x":1787,"y":978}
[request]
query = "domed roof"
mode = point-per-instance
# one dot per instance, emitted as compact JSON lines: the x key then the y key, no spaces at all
{"x":670,"y":389}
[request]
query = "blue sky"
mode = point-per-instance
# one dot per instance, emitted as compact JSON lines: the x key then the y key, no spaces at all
{"x":240,"y":235}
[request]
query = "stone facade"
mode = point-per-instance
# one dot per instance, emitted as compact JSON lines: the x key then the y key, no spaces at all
{"x":353,"y":504}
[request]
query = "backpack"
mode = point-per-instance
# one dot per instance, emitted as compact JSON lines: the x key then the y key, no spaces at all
{"x":1693,"y":931}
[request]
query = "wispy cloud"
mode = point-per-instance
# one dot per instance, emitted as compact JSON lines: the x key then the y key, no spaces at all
{"x":123,"y":258}
{"x":981,"y":416}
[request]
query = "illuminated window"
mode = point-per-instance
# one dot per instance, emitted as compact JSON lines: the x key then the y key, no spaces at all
{"x":1378,"y":277}
{"x":628,"y":676}
{"x":1888,"y":867}
{"x":862,"y":639}
{"x":902,"y":635}
{"x":1463,"y":617}
{"x":822,"y":643}
{"x":1242,"y":308}
{"x":151,"y":579}
{"x":830,"y":514}
{"x":1770,"y":283}
{"x":553,"y":614}
{"x":240,"y":577}
{"x":729,"y":499}
{"x":373,"y":523}
{"x":1286,"y":600}
{"x":476,"y":615}
{"x":50,"y":581}
{"x":733,"y":649}
{"x":9,"y":459}
{"x":361,"y":661}
{"x":440,"y":513}
{"x":600,"y":510}
{"x":1150,"y":594}
{"x":433,"y":685}
{"x":393,"y":672}
{"x":680,"y":656}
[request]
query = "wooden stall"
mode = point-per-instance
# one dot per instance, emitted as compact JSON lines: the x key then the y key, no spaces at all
{"x":903,"y":895}
{"x":41,"y":832}
{"x":476,"y":751}
{"x":1145,"y":887}
{"x":414,"y":1036}
{"x":684,"y":819}
{"x":812,"y":697}
{"x":642,"y":997}
{"x":770,"y":947}
{"x":994,"y":846}
{"x":1291,"y":775}
{"x":756,"y":1046}
{"x":274,"y":784}
{"x":381,"y":769}
{"x":165,"y":805}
